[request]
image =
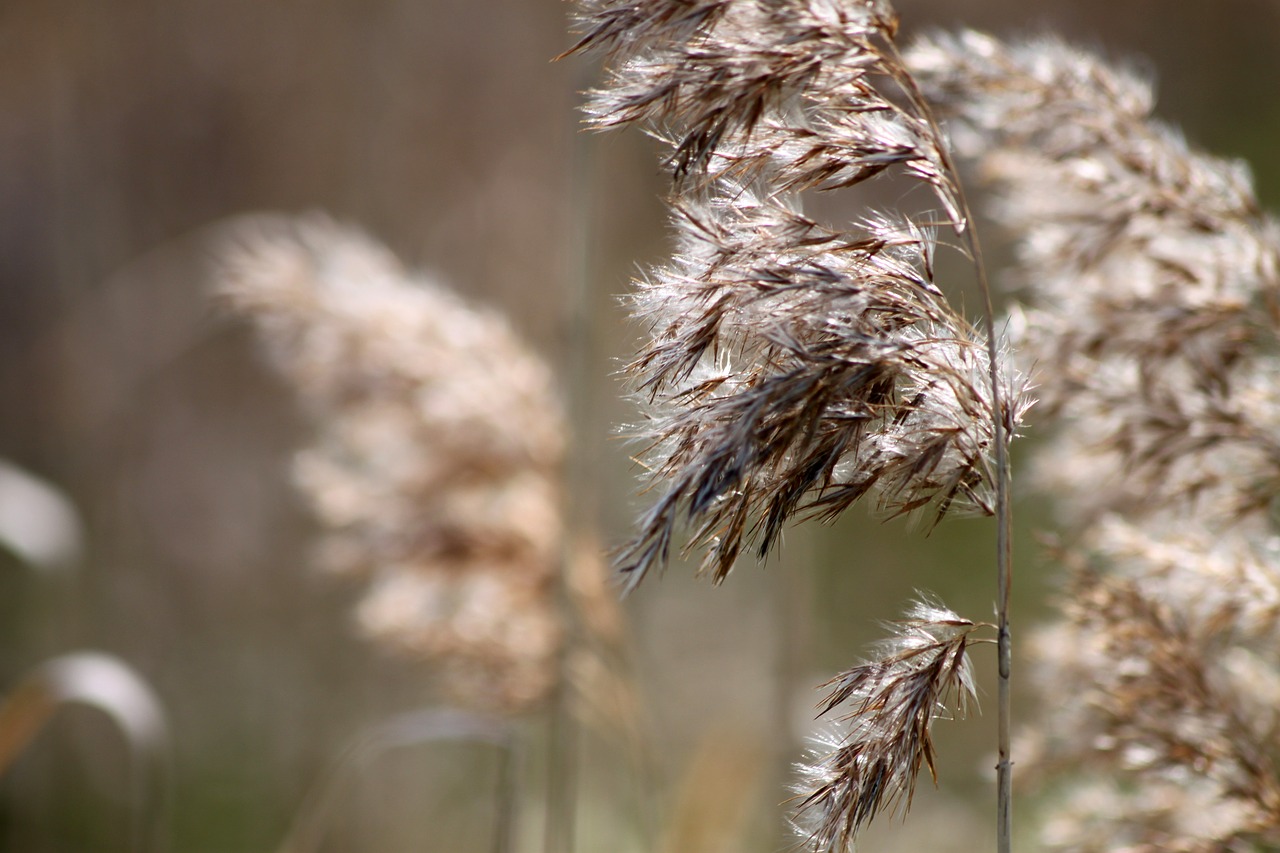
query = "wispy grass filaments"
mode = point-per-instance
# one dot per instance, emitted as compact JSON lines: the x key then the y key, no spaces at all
{"x":919,"y":674}
{"x":1168,"y":657}
{"x":1149,"y":272}
{"x":793,"y":369}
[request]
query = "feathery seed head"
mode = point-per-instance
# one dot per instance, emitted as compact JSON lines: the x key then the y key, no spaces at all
{"x":920,"y":673}
{"x":1150,"y":273}
{"x":1164,"y":706}
{"x":434,"y":470}
{"x":1151,"y":280}
{"x":792,"y":368}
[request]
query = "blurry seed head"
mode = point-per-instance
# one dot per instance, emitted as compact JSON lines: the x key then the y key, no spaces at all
{"x":1148,"y":276}
{"x":1148,"y":271}
{"x":435,"y":462}
{"x":1161,"y":679}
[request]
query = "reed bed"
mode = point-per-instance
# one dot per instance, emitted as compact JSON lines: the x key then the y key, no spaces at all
{"x":791,"y":364}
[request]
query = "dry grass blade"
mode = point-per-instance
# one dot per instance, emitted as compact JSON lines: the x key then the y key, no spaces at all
{"x":920,"y":673}
{"x":713,"y":805}
{"x":402,"y":731}
{"x":103,"y":682}
{"x":37,"y":522}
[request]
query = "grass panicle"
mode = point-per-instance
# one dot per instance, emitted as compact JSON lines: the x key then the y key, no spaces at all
{"x":1175,"y":671}
{"x":434,"y":472}
{"x":791,"y":368}
{"x":1148,"y":272}
{"x":1149,"y":276}
{"x":889,"y":703}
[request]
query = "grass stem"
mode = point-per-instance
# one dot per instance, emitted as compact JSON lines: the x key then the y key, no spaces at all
{"x":1004,"y":514}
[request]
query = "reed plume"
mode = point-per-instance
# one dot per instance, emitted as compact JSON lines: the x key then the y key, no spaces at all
{"x":1150,"y":280}
{"x":892,"y":700}
{"x":1162,"y":686}
{"x":434,"y":472}
{"x":793,"y":368}
{"x":1149,"y":276}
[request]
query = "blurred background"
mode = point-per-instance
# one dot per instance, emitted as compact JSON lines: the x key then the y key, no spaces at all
{"x":131,"y":132}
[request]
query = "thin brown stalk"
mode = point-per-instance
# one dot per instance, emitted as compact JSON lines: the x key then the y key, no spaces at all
{"x":1003,"y":430}
{"x":1004,"y":552}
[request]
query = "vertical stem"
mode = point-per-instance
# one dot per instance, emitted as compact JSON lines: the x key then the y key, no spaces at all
{"x":1004,"y":551}
{"x":562,"y":780}
{"x":1000,"y":434}
{"x":505,"y":800}
{"x":792,"y":596}
{"x":580,"y":500}
{"x":1004,"y":559}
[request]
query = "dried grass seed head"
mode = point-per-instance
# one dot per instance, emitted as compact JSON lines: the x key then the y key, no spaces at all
{"x":1151,"y":278}
{"x":435,"y":464}
{"x":792,"y":368}
{"x":1150,"y":273}
{"x":1164,"y":675}
{"x":920,"y":673}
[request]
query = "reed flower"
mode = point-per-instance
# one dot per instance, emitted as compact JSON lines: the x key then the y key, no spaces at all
{"x":791,"y":368}
{"x":1149,"y":273}
{"x":1150,"y":280}
{"x":1168,"y":657}
{"x":919,"y":674}
{"x":434,"y":470}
